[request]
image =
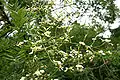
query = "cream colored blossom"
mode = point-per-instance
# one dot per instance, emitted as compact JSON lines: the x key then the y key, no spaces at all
{"x":42,"y":71}
{"x":107,"y":40}
{"x":91,"y":57}
{"x":47,"y":33}
{"x":31,"y":52}
{"x":63,"y":53}
{"x":79,"y":66}
{"x":89,"y":52}
{"x":109,"y":52}
{"x":69,"y":29}
{"x":82,"y":43}
{"x":66,"y":69}
{"x":28,"y":9}
{"x":101,"y":51}
{"x":37,"y":48}
{"x":22,"y":78}
{"x":54,"y":79}
{"x":58,"y":62}
{"x":37,"y":73}
{"x":74,"y":52}
{"x":20,"y":43}
{"x":61,"y":38}
{"x":80,"y":55}
{"x":71,"y":55}
{"x":93,"y":39}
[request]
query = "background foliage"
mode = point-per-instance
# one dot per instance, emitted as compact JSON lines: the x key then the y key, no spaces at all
{"x":36,"y":45}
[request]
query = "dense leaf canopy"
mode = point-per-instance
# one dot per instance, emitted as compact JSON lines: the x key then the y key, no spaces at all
{"x":49,"y":40}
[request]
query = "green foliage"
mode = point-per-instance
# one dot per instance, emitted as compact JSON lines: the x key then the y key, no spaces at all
{"x":19,"y":18}
{"x":40,"y":47}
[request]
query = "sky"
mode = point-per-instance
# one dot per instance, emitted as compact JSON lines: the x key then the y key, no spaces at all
{"x":69,"y":9}
{"x":117,"y":2}
{"x":116,"y":23}
{"x":85,"y":19}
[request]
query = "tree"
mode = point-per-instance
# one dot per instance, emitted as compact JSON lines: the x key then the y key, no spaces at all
{"x":37,"y":45}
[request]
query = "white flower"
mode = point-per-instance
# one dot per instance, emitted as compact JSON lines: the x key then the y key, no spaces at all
{"x":66,"y":35}
{"x":63,"y":59}
{"x":42,"y":71}
{"x":37,"y":48}
{"x":71,"y":68}
{"x":63,"y":53}
{"x":1,"y":23}
{"x":61,"y":38}
{"x":111,"y":44}
{"x":69,"y":29}
{"x":22,"y":78}
{"x":91,"y":57}
{"x":37,"y":73}
{"x":79,"y":66}
{"x":63,"y":26}
{"x":82,"y":43}
{"x":66,"y":69}
{"x":39,"y":41}
{"x":31,"y":52}
{"x":66,"y":40}
{"x":32,"y":22}
{"x":72,"y":37}
{"x":89,"y":52}
{"x":81,"y":69}
{"x":53,"y":41}
{"x":54,"y":79}
{"x":106,"y":40}
{"x":58,"y":62}
{"x":93,"y":39}
{"x":74,"y":51}
{"x":101,"y":51}
{"x":27,"y":74}
{"x":28,"y":9}
{"x":47,"y":33}
{"x":20,"y":43}
{"x":34,"y":9}
{"x":80,"y":55}
{"x":31,"y":79}
{"x":71,"y":55}
{"x":109,"y":52}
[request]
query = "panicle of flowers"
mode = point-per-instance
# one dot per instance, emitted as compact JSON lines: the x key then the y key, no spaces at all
{"x":109,"y":52}
{"x":39,"y":72}
{"x":58,"y":63}
{"x":47,"y":33}
{"x":101,"y":52}
{"x":79,"y":67}
{"x":82,"y":43}
{"x":74,"y":52}
{"x":36,"y":48}
{"x":20,"y":43}
{"x":63,"y":53}
{"x":107,"y":40}
{"x":89,"y":52}
{"x":69,"y":29}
